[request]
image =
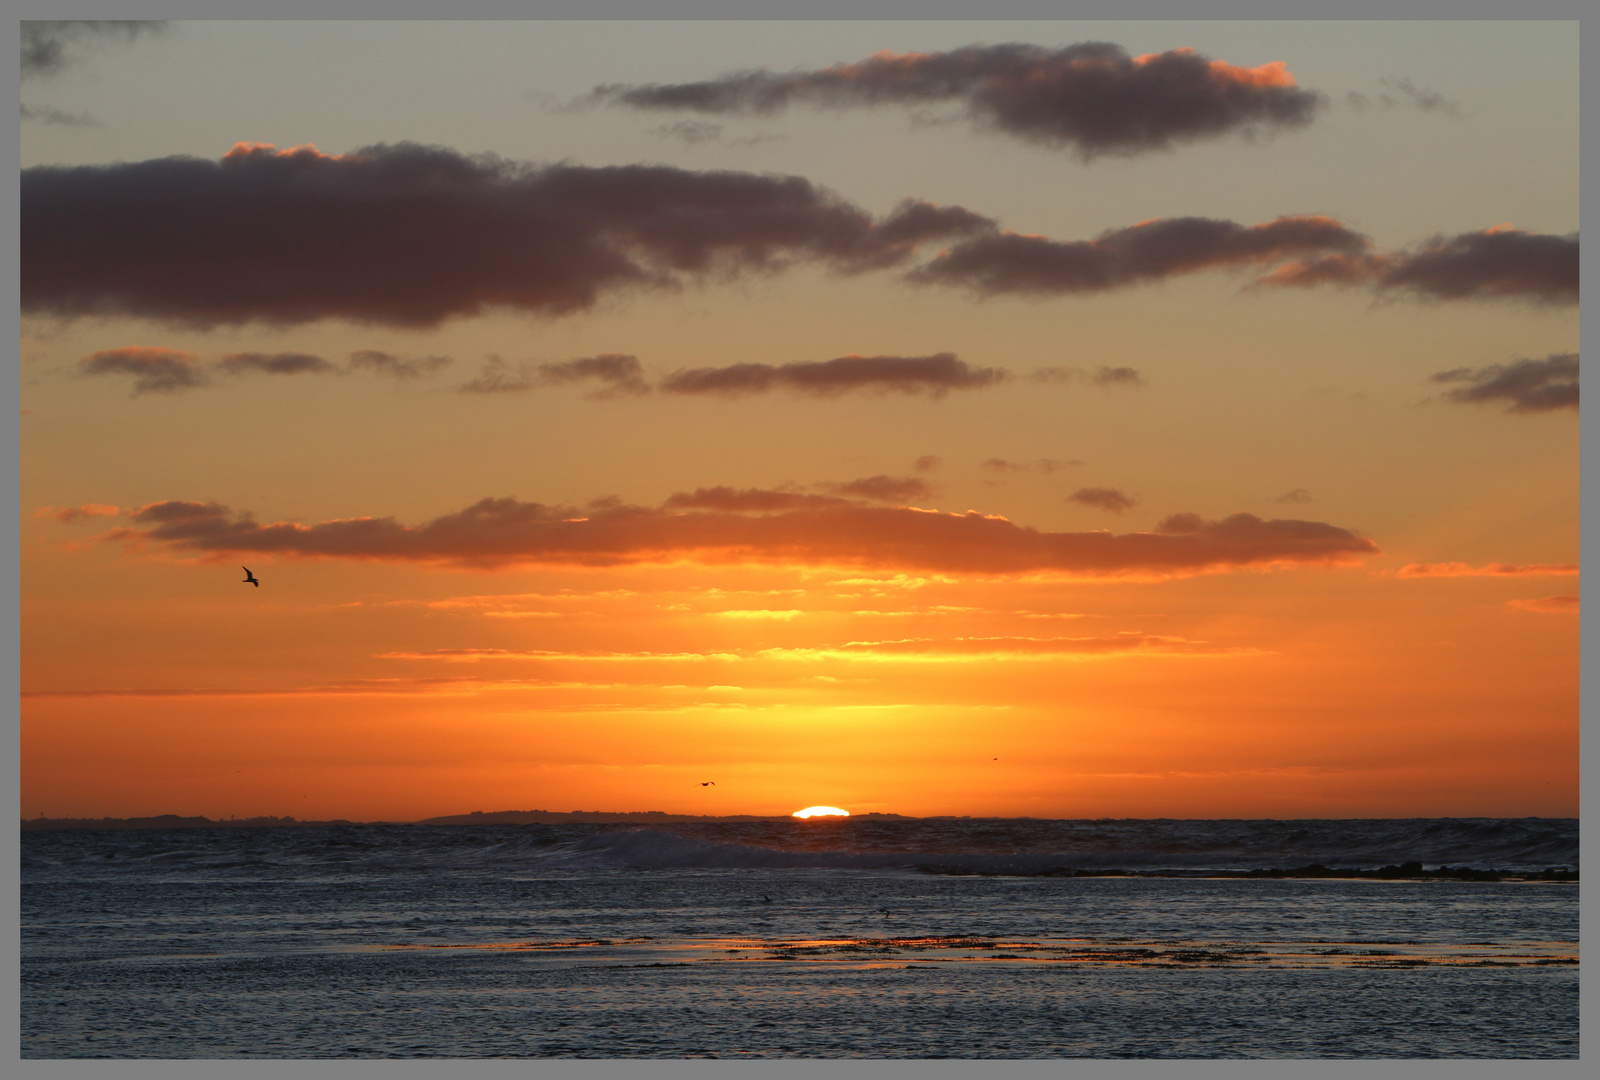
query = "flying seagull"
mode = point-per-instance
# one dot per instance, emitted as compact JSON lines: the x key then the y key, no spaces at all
{"x":709,"y":783}
{"x":249,"y":578}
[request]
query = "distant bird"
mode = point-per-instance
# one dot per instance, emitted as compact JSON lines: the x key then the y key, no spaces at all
{"x":765,"y":899}
{"x":249,"y":578}
{"x":709,"y":783}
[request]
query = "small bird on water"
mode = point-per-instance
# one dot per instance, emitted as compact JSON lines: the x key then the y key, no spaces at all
{"x":249,"y":578}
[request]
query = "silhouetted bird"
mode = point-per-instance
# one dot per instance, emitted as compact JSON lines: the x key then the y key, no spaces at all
{"x":709,"y":783}
{"x":765,"y":899}
{"x":249,"y":578}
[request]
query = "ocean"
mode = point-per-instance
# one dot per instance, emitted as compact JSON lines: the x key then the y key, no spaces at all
{"x":859,"y":938}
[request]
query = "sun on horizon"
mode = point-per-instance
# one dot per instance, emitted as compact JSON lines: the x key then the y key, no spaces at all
{"x":821,"y":811}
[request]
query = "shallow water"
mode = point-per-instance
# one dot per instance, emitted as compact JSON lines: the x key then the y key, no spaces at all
{"x":523,"y":941}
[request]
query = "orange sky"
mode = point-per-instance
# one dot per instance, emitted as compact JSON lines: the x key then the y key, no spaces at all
{"x":1034,"y":497}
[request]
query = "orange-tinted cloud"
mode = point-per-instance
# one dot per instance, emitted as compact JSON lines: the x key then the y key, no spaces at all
{"x":1015,"y":646}
{"x":1003,"y":262}
{"x":899,"y":648}
{"x":1093,"y":97}
{"x":1547,"y":605}
{"x":932,"y":375}
{"x":69,"y":514}
{"x":1109,"y":499}
{"x":787,"y":528}
{"x":411,"y":235}
{"x":1491,"y":263}
{"x":1529,"y":385}
{"x":1044,"y":465}
{"x":154,"y":370}
{"x":1459,"y":569}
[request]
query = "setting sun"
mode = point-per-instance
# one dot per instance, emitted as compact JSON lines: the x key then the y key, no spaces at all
{"x":821,"y":811}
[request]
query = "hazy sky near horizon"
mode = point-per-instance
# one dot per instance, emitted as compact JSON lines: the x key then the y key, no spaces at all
{"x":1200,"y":439}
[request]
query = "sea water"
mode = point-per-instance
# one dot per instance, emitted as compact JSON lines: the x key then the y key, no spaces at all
{"x":881,"y":938}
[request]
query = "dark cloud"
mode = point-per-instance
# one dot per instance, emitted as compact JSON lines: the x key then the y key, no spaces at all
{"x":1056,"y":375}
{"x":885,"y":489}
{"x":1101,"y":376}
{"x":998,"y":262}
{"x":932,"y":375}
{"x":618,"y":375}
{"x":1044,"y":465}
{"x":1406,"y":93}
{"x":748,"y":500}
{"x":874,"y":489}
{"x":395,"y":367}
{"x":498,"y":377}
{"x":927,"y":463}
{"x":1529,"y":385}
{"x":155,"y":370}
{"x":44,"y":114}
{"x":1092,"y":98}
{"x":1298,"y":495}
{"x":692,"y":132}
{"x":159,"y":369}
{"x":699,"y":132}
{"x":275,"y":364}
{"x":411,"y":235}
{"x":1299,"y":251}
{"x":1116,"y":376}
{"x":1493,"y":263}
{"x":724,"y":525}
{"x":621,"y":374}
{"x":1109,"y":499}
{"x":48,"y":44}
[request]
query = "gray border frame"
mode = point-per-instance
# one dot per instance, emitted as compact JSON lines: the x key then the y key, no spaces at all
{"x":799,"y":10}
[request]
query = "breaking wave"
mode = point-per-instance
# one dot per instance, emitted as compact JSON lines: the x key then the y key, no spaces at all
{"x":960,"y":845}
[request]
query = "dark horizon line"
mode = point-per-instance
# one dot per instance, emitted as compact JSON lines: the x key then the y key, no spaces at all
{"x":606,"y":817}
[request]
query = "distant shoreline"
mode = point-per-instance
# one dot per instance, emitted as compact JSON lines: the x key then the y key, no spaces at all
{"x":589,"y":817}
{"x":477,"y":817}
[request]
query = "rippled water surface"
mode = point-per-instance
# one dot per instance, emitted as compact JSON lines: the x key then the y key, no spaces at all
{"x":768,"y":940}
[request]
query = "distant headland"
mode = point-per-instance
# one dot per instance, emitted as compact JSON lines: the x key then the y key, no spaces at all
{"x":476,"y":817}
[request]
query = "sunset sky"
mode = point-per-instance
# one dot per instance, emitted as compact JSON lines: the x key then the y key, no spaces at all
{"x":1046,"y":419}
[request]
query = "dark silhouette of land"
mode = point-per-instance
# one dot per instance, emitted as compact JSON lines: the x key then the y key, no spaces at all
{"x":477,"y":817}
